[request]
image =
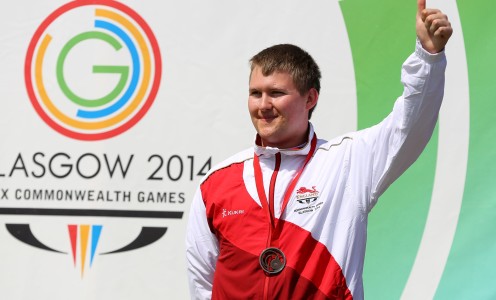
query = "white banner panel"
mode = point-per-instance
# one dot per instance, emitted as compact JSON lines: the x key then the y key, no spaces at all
{"x":113,"y":111}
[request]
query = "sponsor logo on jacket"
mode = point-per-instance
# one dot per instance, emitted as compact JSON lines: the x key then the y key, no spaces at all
{"x":227,"y":213}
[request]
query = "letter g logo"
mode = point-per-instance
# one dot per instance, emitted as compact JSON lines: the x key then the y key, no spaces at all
{"x":116,"y":95}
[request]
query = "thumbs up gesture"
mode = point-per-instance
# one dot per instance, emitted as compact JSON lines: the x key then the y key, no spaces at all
{"x":433,"y":28}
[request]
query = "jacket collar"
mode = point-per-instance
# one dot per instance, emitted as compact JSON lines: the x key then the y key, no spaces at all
{"x":300,"y":150}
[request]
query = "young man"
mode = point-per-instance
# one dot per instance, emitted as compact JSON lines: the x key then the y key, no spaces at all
{"x":287,"y":219}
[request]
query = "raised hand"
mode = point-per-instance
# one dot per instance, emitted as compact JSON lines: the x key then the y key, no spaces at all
{"x":433,"y":28}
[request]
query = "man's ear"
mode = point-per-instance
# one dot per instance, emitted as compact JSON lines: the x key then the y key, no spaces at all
{"x":312,"y":98}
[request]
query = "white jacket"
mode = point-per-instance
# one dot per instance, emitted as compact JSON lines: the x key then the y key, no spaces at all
{"x":325,"y":222}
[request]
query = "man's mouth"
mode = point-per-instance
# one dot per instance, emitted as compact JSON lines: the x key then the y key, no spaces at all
{"x":267,"y":118}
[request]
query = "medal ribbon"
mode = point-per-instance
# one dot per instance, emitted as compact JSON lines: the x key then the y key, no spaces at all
{"x":268,"y":206}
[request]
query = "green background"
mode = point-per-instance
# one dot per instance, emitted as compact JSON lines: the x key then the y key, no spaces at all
{"x":382,"y":35}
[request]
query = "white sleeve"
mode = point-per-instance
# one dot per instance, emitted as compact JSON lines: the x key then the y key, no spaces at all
{"x":202,"y":249}
{"x":395,"y":143}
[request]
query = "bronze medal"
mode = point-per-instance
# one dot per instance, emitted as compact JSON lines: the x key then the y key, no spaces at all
{"x":272,"y":260}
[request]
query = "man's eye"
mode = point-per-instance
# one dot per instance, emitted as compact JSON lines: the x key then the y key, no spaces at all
{"x":277,"y":93}
{"x":255,"y":93}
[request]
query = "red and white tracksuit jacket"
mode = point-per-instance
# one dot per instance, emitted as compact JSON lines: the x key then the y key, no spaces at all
{"x":324,"y":225}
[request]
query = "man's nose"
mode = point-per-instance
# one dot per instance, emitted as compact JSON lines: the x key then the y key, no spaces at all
{"x":265,"y":102}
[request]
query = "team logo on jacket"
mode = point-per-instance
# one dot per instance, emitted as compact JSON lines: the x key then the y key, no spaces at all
{"x":308,"y":198}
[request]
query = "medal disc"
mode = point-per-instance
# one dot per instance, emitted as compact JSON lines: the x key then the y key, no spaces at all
{"x":272,"y":260}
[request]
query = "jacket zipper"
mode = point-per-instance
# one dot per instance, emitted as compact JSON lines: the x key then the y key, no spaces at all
{"x":272,"y":187}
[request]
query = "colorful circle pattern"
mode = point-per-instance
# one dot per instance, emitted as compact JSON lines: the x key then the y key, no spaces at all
{"x":118,"y":26}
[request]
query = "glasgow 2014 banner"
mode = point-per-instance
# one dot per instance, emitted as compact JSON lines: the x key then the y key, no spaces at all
{"x":112,"y":111}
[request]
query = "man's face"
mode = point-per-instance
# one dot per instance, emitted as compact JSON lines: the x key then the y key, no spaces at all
{"x":278,"y":111}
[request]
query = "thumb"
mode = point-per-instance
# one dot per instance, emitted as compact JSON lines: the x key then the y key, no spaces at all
{"x":420,"y":5}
